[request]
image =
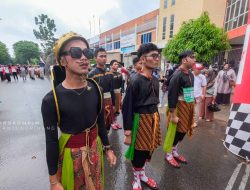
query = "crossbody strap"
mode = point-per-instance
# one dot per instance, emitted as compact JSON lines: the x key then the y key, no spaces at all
{"x":54,"y":93}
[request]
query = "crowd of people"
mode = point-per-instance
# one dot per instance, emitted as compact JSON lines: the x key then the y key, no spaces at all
{"x":8,"y":71}
{"x":84,"y":106}
{"x":210,"y":88}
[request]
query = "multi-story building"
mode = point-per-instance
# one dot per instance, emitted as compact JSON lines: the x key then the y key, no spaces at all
{"x":235,"y":24}
{"x":122,"y":41}
{"x":173,"y":13}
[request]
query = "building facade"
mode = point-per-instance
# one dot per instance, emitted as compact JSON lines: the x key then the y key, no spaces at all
{"x":122,"y":41}
{"x":173,"y":13}
{"x":235,"y":24}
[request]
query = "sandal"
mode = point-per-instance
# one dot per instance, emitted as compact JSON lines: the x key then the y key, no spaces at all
{"x":173,"y":163}
{"x":114,"y":126}
{"x":181,"y":159}
{"x":118,"y":126}
{"x":151,"y":183}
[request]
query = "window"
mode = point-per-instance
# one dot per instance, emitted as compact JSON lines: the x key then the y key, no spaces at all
{"x":165,"y":4}
{"x":164,"y":25}
{"x":171,"y":31}
{"x":146,"y":38}
{"x":236,"y":14}
{"x":117,"y":45}
{"x":173,"y":2}
{"x":109,"y":46}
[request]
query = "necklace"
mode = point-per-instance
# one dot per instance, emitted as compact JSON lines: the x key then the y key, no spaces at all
{"x":79,"y":93}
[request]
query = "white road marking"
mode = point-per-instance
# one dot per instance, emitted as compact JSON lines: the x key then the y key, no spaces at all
{"x":233,"y":177}
{"x":245,"y":178}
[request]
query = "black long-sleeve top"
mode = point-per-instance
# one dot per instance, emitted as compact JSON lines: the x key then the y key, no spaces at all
{"x":179,"y":81}
{"x":117,"y":80}
{"x":105,"y":80}
{"x":142,"y":96}
{"x":77,"y":113}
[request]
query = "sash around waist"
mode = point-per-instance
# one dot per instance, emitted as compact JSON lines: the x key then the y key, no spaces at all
{"x":84,"y":138}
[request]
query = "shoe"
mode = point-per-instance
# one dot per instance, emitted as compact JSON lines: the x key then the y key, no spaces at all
{"x":173,"y":162}
{"x":208,"y":120}
{"x":118,"y":126}
{"x":151,"y":183}
{"x":114,"y":126}
{"x":181,"y":159}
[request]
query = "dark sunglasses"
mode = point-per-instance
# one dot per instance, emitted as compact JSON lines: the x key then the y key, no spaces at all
{"x":76,"y":53}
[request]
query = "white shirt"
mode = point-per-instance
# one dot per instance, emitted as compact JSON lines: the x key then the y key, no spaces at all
{"x":6,"y":69}
{"x":13,"y":69}
{"x":199,"y":82}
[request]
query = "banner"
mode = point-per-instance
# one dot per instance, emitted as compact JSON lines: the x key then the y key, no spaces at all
{"x":238,"y":129}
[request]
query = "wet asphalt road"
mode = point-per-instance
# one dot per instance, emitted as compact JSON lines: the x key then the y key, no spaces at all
{"x":22,"y":149}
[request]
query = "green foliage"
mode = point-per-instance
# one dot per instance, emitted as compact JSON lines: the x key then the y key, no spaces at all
{"x":25,"y":51}
{"x":45,"y":34}
{"x":92,"y":61}
{"x":4,"y":55}
{"x":199,"y":35}
{"x":34,"y":61}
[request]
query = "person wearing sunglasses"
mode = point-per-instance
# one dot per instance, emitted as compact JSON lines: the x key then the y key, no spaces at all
{"x":180,"y":106}
{"x":104,"y":79}
{"x":75,"y":108}
{"x":141,"y":120}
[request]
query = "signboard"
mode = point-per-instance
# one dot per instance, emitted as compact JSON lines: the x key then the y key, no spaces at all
{"x":130,"y":49}
{"x":128,"y":40}
{"x":94,"y":39}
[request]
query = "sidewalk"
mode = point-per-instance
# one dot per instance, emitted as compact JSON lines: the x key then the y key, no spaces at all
{"x":223,"y":115}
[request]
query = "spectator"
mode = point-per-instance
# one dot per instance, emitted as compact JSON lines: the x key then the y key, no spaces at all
{"x":210,"y":95}
{"x":200,"y":84}
{"x":225,"y":82}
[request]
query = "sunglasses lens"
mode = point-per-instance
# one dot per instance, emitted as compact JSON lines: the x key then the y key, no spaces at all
{"x":88,"y":53}
{"x":76,"y":52}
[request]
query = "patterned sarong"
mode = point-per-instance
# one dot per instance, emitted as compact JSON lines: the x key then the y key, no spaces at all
{"x":185,"y":112}
{"x":148,"y":136}
{"x":118,"y":97}
{"x":108,"y":112}
{"x":85,"y":166}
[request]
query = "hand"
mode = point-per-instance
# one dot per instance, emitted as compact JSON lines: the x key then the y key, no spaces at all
{"x":214,"y":98}
{"x":57,"y":186}
{"x":128,"y":140}
{"x":174,"y":119}
{"x":111,"y":158}
{"x":202,"y":97}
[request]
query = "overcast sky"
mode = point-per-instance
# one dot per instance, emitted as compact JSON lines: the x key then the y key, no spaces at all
{"x":17,"y":16}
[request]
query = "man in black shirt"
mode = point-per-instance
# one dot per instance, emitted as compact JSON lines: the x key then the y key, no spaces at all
{"x":105,"y":79}
{"x":181,"y":106}
{"x":75,"y":106}
{"x":141,"y":120}
{"x":137,"y":67}
{"x":117,"y":84}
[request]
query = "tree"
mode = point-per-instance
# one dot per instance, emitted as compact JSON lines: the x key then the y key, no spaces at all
{"x":45,"y":34}
{"x":26,"y":51}
{"x":199,"y":35}
{"x":4,"y":55}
